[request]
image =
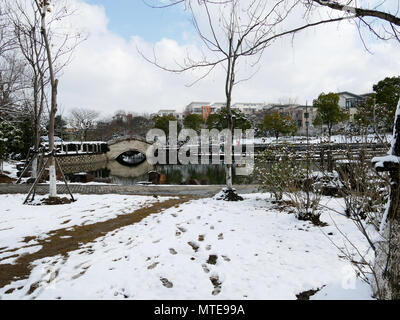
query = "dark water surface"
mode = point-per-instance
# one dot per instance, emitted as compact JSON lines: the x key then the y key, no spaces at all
{"x":115,"y":172}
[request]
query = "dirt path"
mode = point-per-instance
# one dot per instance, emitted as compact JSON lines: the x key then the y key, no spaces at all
{"x":57,"y":244}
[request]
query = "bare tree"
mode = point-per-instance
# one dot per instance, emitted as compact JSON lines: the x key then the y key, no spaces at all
{"x":234,"y":31}
{"x":53,"y":49}
{"x":7,"y":42}
{"x":381,"y":18}
{"x":12,"y":85}
{"x":25,"y":20}
{"x":83,"y":120}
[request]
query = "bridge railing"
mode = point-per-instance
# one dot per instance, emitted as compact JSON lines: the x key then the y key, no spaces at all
{"x":79,"y":147}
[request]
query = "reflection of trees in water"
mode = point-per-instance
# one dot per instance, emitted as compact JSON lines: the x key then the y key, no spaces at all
{"x":216,"y":174}
{"x":203,"y":174}
{"x":175,"y":174}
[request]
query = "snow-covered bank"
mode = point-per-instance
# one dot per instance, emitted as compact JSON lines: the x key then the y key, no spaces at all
{"x":18,"y":221}
{"x":202,"y":249}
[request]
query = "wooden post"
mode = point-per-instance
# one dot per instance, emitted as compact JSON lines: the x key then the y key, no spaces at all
{"x":37,"y":180}
{"x":26,"y":165}
{"x":65,"y":180}
{"x":330,"y":161}
{"x":322,"y":156}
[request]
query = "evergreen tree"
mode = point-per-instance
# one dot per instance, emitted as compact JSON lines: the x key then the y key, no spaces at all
{"x":387,"y":94}
{"x":276,"y":125}
{"x":193,"y":121}
{"x":10,"y":140}
{"x":219,"y":121}
{"x":162,"y":123}
{"x":328,"y":111}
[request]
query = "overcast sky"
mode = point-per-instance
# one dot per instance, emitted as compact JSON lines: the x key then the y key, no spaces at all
{"x":108,"y":74}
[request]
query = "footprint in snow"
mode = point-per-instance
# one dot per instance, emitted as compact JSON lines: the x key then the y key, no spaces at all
{"x":217,"y":285}
{"x":212,"y":259}
{"x":205,"y":268}
{"x":182,"y":229}
{"x":194,"y":245}
{"x":153,"y":266}
{"x":166,"y":283}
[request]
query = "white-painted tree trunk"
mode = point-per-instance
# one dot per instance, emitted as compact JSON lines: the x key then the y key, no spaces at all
{"x":34,"y":167}
{"x":229,"y":182}
{"x":52,"y":180}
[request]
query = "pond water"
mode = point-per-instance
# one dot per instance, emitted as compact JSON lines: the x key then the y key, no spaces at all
{"x":192,"y":174}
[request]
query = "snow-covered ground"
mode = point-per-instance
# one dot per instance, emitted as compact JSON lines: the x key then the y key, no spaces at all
{"x":18,"y":221}
{"x":202,"y":249}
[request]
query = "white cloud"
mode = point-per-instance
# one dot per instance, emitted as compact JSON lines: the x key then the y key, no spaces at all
{"x":108,"y":74}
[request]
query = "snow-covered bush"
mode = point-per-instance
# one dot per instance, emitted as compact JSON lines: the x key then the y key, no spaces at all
{"x":364,"y":191}
{"x":283,"y":173}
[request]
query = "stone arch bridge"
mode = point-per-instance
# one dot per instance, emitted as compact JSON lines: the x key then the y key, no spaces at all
{"x":77,"y":156}
{"x":126,"y":144}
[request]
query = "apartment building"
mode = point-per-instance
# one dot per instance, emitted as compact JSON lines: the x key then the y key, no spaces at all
{"x":206,"y":108}
{"x":349,"y":101}
{"x":301,"y":114}
{"x":166,"y":112}
{"x":248,"y":108}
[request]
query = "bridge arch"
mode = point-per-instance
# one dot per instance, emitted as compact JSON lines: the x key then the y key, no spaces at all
{"x":126,"y":144}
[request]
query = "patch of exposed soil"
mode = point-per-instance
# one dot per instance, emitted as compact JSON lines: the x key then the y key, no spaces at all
{"x":63,"y":241}
{"x":229,"y":195}
{"x":314,"y":219}
{"x":54,"y":201}
{"x":305,"y":295}
{"x":6,"y":179}
{"x":288,"y":206}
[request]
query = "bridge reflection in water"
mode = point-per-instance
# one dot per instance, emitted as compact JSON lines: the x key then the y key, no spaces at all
{"x":115,"y":172}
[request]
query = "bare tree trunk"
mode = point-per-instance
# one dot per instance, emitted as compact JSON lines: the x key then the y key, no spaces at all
{"x":230,"y":80}
{"x":54,"y":84}
{"x":52,"y":164}
{"x":387,"y":262}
